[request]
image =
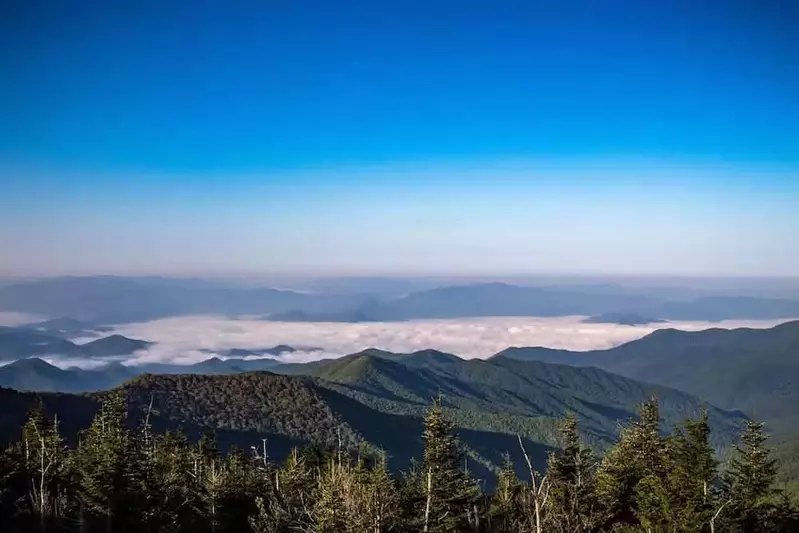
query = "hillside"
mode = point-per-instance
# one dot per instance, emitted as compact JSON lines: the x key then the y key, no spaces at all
{"x":503,"y":395}
{"x":379,"y":398}
{"x":755,"y":370}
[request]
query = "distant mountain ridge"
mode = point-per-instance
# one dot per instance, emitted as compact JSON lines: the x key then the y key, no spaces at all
{"x":20,"y":343}
{"x":109,"y":300}
{"x":756,"y":370}
{"x":622,"y":319}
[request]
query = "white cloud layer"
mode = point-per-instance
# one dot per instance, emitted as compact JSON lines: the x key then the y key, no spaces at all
{"x":187,"y":339}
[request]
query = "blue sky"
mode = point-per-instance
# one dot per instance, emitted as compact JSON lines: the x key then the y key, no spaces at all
{"x":612,"y":137}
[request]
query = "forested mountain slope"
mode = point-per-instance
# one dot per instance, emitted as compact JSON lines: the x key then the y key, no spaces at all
{"x":755,"y":370}
{"x":504,"y":395}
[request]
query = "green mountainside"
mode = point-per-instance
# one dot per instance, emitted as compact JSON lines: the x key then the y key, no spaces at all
{"x":379,"y":399}
{"x":502,"y":394}
{"x":754,"y":370}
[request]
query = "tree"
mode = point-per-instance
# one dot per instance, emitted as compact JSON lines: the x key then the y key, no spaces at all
{"x":749,"y":484}
{"x":573,"y":504}
{"x":638,"y":455}
{"x":108,"y":481}
{"x":45,"y":465}
{"x":507,"y":512}
{"x":451,"y":494}
{"x":691,"y":475}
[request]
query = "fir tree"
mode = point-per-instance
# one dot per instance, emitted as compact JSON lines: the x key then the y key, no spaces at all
{"x":508,"y":512}
{"x":691,"y":475}
{"x":750,"y":484}
{"x":638,"y":455}
{"x":451,"y":494}
{"x":573,"y":504}
{"x":107,"y":471}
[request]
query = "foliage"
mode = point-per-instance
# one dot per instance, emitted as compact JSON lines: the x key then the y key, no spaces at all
{"x":124,"y":475}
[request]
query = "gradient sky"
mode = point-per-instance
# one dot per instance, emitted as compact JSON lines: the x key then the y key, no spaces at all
{"x":603,"y":137}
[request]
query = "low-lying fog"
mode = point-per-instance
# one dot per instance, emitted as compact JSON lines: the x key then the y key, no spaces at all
{"x":189,"y":339}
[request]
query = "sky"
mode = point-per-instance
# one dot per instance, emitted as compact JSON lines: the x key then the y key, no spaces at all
{"x":436,"y":137}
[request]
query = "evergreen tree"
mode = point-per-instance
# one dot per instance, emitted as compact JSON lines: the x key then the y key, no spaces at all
{"x":289,"y":502}
{"x":451,"y":495}
{"x":330,"y":513}
{"x":749,"y":484}
{"x":108,"y":481}
{"x":44,"y":457}
{"x":691,"y":476}
{"x":573,"y":504}
{"x":638,"y":455}
{"x":509,"y":508}
{"x":379,"y":510}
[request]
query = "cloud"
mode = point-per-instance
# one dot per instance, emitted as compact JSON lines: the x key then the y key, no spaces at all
{"x":189,"y":339}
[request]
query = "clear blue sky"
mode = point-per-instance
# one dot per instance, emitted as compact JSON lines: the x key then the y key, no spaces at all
{"x":400,"y":136}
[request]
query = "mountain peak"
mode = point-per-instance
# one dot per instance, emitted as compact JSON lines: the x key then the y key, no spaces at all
{"x":36,"y":363}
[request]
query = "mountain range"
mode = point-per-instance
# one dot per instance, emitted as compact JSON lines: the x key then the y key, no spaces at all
{"x":113,"y":300}
{"x":378,"y":399}
{"x":756,"y":370}
{"x":23,"y":342}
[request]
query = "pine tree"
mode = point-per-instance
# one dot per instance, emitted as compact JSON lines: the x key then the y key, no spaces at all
{"x":750,"y":484}
{"x":451,"y":495}
{"x":106,"y":471}
{"x":289,"y":502}
{"x":45,"y":465}
{"x":330,"y":512}
{"x":381,"y":497}
{"x":508,"y":511}
{"x":691,"y":475}
{"x":573,"y":504}
{"x":638,"y":455}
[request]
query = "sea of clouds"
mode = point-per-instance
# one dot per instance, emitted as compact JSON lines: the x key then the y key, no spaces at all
{"x":190,"y":339}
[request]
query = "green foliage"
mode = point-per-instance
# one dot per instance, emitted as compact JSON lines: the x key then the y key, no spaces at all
{"x":571,"y":474}
{"x":451,"y":495}
{"x":125,"y":475}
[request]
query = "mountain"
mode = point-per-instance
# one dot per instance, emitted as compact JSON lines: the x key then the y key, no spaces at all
{"x":501,"y":395}
{"x":755,"y":370}
{"x":113,"y":345}
{"x":113,"y":299}
{"x":352,"y":316}
{"x":37,"y":375}
{"x":378,"y":399}
{"x":278,"y":350}
{"x":69,"y":328}
{"x":622,"y":319}
{"x":20,"y":343}
{"x":501,"y":299}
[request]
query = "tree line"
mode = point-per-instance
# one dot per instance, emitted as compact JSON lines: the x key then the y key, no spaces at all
{"x":122,"y":477}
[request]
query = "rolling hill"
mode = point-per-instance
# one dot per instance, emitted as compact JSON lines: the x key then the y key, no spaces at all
{"x":755,"y":370}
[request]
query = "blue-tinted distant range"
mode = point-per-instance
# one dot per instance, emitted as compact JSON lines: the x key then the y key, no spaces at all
{"x":378,"y":138}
